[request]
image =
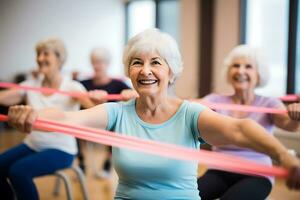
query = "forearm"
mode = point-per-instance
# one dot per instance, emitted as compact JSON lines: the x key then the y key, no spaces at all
{"x":255,"y":137}
{"x":10,"y":97}
{"x":292,"y":125}
{"x":86,"y":102}
{"x":52,"y":114}
{"x":95,"y":117}
{"x":286,"y":123}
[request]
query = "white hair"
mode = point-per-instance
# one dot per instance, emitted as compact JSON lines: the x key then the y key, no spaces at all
{"x":153,"y":40}
{"x":101,"y":53}
{"x":252,"y":53}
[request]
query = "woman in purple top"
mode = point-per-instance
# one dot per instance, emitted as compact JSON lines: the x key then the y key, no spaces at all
{"x":245,"y":72}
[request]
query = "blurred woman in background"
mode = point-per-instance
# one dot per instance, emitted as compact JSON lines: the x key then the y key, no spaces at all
{"x":41,"y":153}
{"x":245,"y":71}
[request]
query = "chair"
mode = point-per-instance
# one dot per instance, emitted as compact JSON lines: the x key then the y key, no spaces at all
{"x":62,"y":175}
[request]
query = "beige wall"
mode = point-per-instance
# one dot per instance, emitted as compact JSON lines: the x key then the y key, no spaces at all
{"x":187,"y":85}
{"x":226,"y":30}
{"x":226,"y":36}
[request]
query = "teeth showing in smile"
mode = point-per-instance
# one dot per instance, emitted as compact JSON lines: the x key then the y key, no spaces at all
{"x":240,"y":78}
{"x":147,"y":82}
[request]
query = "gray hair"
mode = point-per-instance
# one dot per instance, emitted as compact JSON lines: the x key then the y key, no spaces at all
{"x":101,"y":53}
{"x":55,"y":45}
{"x":252,"y":53}
{"x":153,"y":40}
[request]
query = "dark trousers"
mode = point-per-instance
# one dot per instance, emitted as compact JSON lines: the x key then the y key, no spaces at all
{"x":20,"y":164}
{"x":230,"y":186}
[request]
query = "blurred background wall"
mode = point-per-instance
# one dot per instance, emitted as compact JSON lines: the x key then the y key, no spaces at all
{"x":82,"y":25}
{"x":206,"y":30}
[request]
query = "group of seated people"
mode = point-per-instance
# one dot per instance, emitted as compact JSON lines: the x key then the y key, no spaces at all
{"x":153,"y":63}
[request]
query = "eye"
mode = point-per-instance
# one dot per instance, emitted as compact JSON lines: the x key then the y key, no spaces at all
{"x":135,"y":63}
{"x":248,"y":66}
{"x":155,"y":62}
{"x":235,"y":65}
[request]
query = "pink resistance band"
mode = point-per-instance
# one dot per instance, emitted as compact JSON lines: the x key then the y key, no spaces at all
{"x":222,"y":106}
{"x":290,"y":97}
{"x":212,"y":159}
{"x":115,"y":97}
{"x":118,"y":97}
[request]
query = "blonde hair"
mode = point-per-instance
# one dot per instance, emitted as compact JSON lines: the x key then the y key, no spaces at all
{"x":55,"y":45}
{"x":153,"y":40}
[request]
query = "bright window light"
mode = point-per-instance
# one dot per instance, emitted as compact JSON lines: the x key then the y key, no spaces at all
{"x":267,"y":28}
{"x":141,"y":16}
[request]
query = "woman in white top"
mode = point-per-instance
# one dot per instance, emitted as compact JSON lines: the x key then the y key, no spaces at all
{"x":41,"y":153}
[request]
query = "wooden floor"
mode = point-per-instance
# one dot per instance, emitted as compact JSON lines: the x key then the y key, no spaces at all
{"x":103,"y":189}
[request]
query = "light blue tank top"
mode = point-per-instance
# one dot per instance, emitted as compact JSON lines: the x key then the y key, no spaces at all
{"x":144,"y":176}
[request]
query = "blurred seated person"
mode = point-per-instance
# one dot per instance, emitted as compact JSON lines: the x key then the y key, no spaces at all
{"x":40,"y":153}
{"x":245,"y":71}
{"x":100,"y":59}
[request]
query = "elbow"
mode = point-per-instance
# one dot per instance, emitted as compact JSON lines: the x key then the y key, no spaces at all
{"x":239,"y":137}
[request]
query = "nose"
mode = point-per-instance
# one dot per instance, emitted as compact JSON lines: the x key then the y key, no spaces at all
{"x":241,"y":69}
{"x":146,"y":70}
{"x":40,"y":57}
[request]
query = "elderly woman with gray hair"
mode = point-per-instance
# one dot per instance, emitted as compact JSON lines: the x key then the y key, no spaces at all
{"x":153,"y":62}
{"x":245,"y":71}
{"x":41,"y":153}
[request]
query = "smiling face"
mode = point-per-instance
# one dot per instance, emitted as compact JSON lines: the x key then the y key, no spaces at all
{"x":48,"y":62}
{"x":243,"y":74}
{"x":149,"y":74}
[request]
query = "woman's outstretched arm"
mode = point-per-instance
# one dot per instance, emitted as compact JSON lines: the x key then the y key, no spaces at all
{"x":219,"y":130}
{"x":23,"y":117}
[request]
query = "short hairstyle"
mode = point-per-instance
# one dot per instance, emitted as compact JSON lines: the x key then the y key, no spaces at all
{"x":252,"y":53}
{"x":153,"y":40}
{"x":55,"y":45}
{"x":101,"y":53}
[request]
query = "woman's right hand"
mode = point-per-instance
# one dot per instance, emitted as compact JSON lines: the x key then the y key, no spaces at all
{"x":98,"y":96}
{"x":22,"y":117}
{"x":294,"y":111}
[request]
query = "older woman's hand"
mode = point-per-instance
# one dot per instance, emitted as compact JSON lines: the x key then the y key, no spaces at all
{"x":292,"y":163}
{"x":98,"y":96}
{"x":128,"y":94}
{"x":22,"y":117}
{"x":294,"y":111}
